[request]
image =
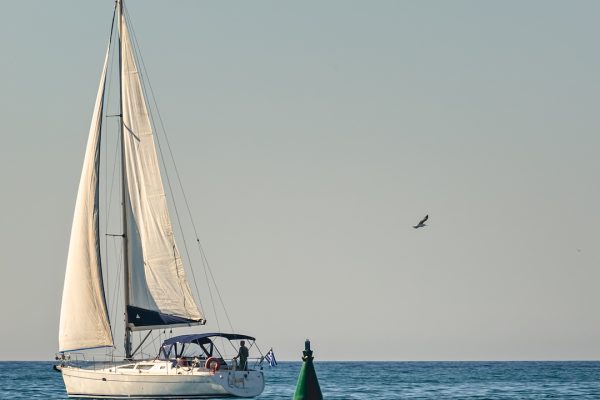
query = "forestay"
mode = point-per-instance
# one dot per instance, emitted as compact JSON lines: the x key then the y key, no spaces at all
{"x":158,"y":290}
{"x":83,"y":316}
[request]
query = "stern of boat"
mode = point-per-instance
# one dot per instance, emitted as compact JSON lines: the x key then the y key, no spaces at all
{"x":241,"y":383}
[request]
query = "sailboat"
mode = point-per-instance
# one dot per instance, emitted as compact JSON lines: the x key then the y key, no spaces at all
{"x":157,"y":294}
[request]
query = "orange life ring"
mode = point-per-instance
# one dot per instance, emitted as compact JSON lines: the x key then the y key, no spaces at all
{"x":213,"y":364}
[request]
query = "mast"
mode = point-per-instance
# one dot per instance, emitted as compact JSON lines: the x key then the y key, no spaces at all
{"x":128,"y":354}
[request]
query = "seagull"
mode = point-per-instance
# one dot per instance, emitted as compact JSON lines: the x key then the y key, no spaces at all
{"x":422,"y":222}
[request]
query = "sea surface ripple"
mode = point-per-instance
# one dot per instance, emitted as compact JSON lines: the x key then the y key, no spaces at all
{"x":375,"y":380}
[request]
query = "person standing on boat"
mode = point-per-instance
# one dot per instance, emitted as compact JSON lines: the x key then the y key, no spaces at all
{"x":243,"y":356}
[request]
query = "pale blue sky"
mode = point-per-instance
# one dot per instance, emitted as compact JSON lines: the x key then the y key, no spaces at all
{"x":310,"y":137}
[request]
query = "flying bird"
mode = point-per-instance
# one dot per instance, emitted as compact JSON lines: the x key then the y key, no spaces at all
{"x":422,"y":222}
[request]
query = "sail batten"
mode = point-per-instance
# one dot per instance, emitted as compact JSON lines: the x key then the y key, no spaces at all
{"x":84,"y":321}
{"x":157,"y":282}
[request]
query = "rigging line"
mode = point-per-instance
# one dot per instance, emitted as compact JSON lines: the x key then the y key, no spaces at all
{"x":146,"y":80}
{"x":113,"y":299}
{"x":207,"y":267}
{"x":150,"y":343}
{"x":206,"y":263}
{"x":179,"y":278}
{"x":160,"y":341}
{"x":114,"y":171}
{"x":235,"y":349}
{"x":109,"y":190}
{"x":105,"y":164}
{"x":108,"y":207}
{"x":119,"y":267}
{"x":258,"y":348}
{"x":212,"y":301}
{"x":106,"y":100}
{"x":133,"y":353}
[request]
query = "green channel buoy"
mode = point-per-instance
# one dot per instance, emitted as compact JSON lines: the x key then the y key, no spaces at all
{"x":308,"y":384}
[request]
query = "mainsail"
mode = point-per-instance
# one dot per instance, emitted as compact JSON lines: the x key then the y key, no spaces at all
{"x":159,"y":293}
{"x":83,"y":316}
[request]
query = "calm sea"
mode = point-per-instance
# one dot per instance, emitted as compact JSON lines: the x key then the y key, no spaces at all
{"x":375,"y":380}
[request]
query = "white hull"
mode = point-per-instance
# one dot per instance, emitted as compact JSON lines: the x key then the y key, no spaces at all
{"x":160,"y":381}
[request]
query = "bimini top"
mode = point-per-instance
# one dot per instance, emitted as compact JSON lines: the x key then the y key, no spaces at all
{"x":202,"y":338}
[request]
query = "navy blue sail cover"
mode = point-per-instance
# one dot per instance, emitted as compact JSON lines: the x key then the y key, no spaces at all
{"x":141,"y":317}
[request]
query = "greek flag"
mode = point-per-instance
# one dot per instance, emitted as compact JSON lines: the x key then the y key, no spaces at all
{"x":270,"y":357}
